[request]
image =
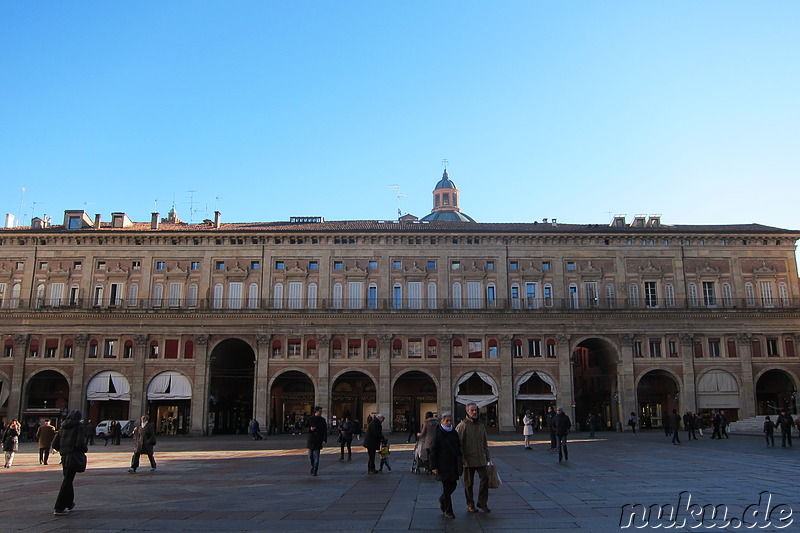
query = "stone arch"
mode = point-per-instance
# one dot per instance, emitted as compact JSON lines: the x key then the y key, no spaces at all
{"x":414,"y":392}
{"x":231,"y":385}
{"x":595,"y":380}
{"x":657,"y":391}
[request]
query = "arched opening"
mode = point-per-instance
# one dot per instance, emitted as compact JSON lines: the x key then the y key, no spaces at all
{"x":536,"y":391}
{"x":231,"y":378}
{"x":169,"y":401}
{"x":292,"y":398}
{"x":353,"y":395}
{"x":775,"y":390}
{"x":414,"y":394}
{"x":479,"y":388}
{"x":108,"y":394}
{"x":657,"y":393}
{"x":47,"y":397}
{"x":594,"y":370}
{"x":718,"y":389}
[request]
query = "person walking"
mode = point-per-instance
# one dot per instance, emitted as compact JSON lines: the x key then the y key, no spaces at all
{"x":562,"y":425}
{"x":428,"y":434}
{"x":633,"y":421}
{"x":675,"y":426}
{"x":550,"y":416}
{"x":317,"y":438}
{"x":446,"y":462}
{"x":723,"y":424}
{"x":384,"y":453}
{"x":716,"y":423}
{"x":346,"y":438}
{"x":144,"y":439}
{"x":255,"y":430}
{"x":11,"y":441}
{"x":475,"y":449}
{"x":769,"y":431}
{"x":592,"y":423}
{"x":527,"y":429}
{"x":785,"y":422}
{"x":372,"y":441}
{"x":45,"y":435}
{"x":70,"y":442}
{"x":688,"y":425}
{"x":90,"y":431}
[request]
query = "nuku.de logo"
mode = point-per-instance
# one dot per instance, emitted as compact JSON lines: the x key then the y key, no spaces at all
{"x":695,"y":516}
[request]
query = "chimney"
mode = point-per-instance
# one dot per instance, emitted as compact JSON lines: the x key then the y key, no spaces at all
{"x":9,"y":220}
{"x":555,"y":223}
{"x":216,"y":219}
{"x":154,"y":221}
{"x":97,"y":221}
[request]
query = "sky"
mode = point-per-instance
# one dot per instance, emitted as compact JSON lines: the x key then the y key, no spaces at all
{"x":348,"y":110}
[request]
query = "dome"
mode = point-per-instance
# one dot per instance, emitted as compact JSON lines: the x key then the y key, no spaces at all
{"x":445,"y":182}
{"x":448,"y":216}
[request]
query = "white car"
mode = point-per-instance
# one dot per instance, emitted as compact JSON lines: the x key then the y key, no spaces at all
{"x":126,"y":426}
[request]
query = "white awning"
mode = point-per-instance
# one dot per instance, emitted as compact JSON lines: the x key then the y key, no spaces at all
{"x":481,"y":400}
{"x":108,"y":385}
{"x":544,"y":377}
{"x":716,"y":381}
{"x":169,"y":386}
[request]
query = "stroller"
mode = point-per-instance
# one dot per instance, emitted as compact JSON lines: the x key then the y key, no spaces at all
{"x":420,"y":460}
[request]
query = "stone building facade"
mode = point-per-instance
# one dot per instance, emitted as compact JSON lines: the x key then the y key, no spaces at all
{"x":204,"y":326}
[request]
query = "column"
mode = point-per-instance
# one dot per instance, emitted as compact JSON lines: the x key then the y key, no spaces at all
{"x":506,"y":402}
{"x":138,"y":389}
{"x":747,"y":394}
{"x":384,"y":394}
{"x":445,"y":394}
{"x":566,"y":396}
{"x":261,"y":392}
{"x":199,"y":414}
{"x":688,"y":398}
{"x":76,"y":398}
{"x":323,"y":392}
{"x":626,"y":380}
{"x":15,"y":395}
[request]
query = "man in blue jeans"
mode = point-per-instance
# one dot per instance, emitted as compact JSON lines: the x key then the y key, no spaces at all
{"x":317,"y":438}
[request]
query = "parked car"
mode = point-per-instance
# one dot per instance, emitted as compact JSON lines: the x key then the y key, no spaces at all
{"x":126,"y":427}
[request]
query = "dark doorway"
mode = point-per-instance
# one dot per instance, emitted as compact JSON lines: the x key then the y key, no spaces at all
{"x":230,"y":399}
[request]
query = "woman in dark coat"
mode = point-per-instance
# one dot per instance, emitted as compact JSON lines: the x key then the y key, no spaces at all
{"x":70,"y":441}
{"x":447,"y":462}
{"x":11,"y":441}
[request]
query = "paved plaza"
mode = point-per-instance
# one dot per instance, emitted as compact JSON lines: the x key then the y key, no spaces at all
{"x":229,"y":483}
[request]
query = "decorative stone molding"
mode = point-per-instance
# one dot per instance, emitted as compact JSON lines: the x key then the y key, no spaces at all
{"x":201,"y":340}
{"x":686,"y":339}
{"x":141,"y":340}
{"x":263,"y":341}
{"x":745,"y":337}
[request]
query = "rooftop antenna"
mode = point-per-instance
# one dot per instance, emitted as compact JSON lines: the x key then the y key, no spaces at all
{"x":399,"y":195}
{"x":155,"y":205}
{"x":191,"y":206}
{"x":444,"y":162}
{"x":21,"y":203}
{"x":216,"y":202}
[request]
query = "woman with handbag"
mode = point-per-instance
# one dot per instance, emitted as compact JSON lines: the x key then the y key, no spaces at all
{"x":447,"y":462}
{"x":70,"y":441}
{"x":11,"y":441}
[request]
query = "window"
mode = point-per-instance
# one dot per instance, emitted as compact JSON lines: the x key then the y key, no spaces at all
{"x":161,"y":265}
{"x":788,"y":344}
{"x":93,"y":348}
{"x":188,"y":350}
{"x":277,"y":296}
{"x":534,"y":347}
{"x":756,"y":347}
{"x":783,"y":294}
{"x":219,"y":265}
{"x":252,"y":296}
{"x":513,"y":265}
{"x":338,"y":295}
{"x":127,"y":351}
{"x":455,"y":265}
{"x":548,"y":295}
{"x":68,"y":351}
{"x":338,"y":265}
{"x":698,"y":349}
{"x":531,"y":301}
{"x":74,"y":223}
{"x":727,"y":295}
{"x":713,"y":348}
{"x":515,"y":302}
{"x":516,"y":348}
{"x":295,"y":298}
{"x":493,"y":349}
{"x":709,"y":294}
{"x":312,"y":296}
{"x":354,"y":295}
{"x":545,"y":265}
{"x":551,"y":348}
{"x":772,"y":348}
{"x":372,"y":349}
{"x":637,"y":349}
{"x":673,"y":349}
{"x":397,"y":296}
{"x":255,"y":265}
{"x":610,"y":300}
{"x":655,"y":347}
{"x":135,"y":265}
{"x":8,"y":351}
{"x":158,"y":295}
{"x":191,"y":297}
{"x":175,"y":293}
{"x":56,"y":294}
{"x":592,"y":294}
{"x":431,"y":295}
{"x":372,"y":296}
{"x":216,"y":299}
{"x":650,"y":294}
{"x":50,"y":348}
{"x":457,"y":349}
{"x":491,"y":295}
{"x":42,"y":265}
{"x":313,"y":265}
{"x":195,"y":265}
{"x":101,"y":265}
{"x":311,"y":349}
{"x":570,"y":265}
{"x":573,"y":296}
{"x":397,"y":265}
{"x":669,"y":290}
{"x":108,"y":349}
{"x":431,"y":265}
{"x":634,"y":294}
{"x":489,"y":265}
{"x":98,"y":296}
{"x":475,"y":348}
{"x":732,"y":352}
{"x":397,"y":348}
{"x":749,"y":294}
{"x":693,"y":295}
{"x":295,"y":347}
{"x":279,"y":265}
{"x":474,"y":295}
{"x":766,"y":294}
{"x":153,"y":350}
{"x":432,"y":349}
{"x":414,"y":348}
{"x":276,"y":347}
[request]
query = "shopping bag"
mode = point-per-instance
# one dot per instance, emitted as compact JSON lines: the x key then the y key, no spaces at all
{"x":494,"y":477}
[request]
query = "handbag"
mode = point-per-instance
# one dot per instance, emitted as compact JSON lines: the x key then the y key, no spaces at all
{"x":494,"y":477}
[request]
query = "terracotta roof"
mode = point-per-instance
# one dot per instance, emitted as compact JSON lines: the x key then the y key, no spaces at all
{"x":419,"y":226}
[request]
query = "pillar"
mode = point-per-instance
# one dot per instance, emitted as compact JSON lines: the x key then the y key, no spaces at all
{"x":76,"y":398}
{"x":445,"y":394}
{"x":138,"y":405}
{"x":747,"y":394}
{"x":17,"y":376}
{"x":199,"y":413}
{"x":506,"y":402}
{"x":626,"y":380}
{"x":261,"y":392}
{"x":688,"y":397}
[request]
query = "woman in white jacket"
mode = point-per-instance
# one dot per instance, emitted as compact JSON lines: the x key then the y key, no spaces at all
{"x":527,"y":429}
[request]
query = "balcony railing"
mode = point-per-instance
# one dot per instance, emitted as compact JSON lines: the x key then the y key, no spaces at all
{"x":521,"y":305}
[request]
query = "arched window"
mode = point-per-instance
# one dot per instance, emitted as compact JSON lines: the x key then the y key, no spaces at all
{"x":456,"y":295}
{"x":574,"y":298}
{"x":493,"y":350}
{"x":372,"y":349}
{"x":783,"y":294}
{"x":634,"y":294}
{"x":693,"y":294}
{"x":432,"y":352}
{"x":133,"y":295}
{"x":311,"y":349}
{"x":397,"y":348}
{"x":312,"y":295}
{"x":39,"y":302}
{"x":276,"y":348}
{"x":372,"y":296}
{"x":216,"y":301}
{"x":15,"y":291}
{"x":516,"y":348}
{"x":458,"y":349}
{"x":336,"y":347}
{"x":338,"y":294}
{"x":252,"y":296}
{"x":158,"y":295}
{"x":277,"y":296}
{"x":669,"y":290}
{"x":127,"y":349}
{"x":727,"y":295}
{"x":551,"y":348}
{"x":397,"y":296}
{"x":191,"y":296}
{"x":749,"y":294}
{"x":431,"y":295}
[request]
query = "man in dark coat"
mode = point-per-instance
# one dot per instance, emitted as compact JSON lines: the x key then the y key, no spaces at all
{"x":562,"y":424}
{"x":144,"y":439}
{"x":446,"y":462}
{"x":372,"y":441}
{"x":71,"y":442}
{"x":45,"y":435}
{"x":785,"y":422}
{"x":551,"y":414}
{"x":317,"y":438}
{"x":675,"y":426}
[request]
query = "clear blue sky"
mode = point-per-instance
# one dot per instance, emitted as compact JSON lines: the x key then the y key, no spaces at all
{"x":267,"y":110}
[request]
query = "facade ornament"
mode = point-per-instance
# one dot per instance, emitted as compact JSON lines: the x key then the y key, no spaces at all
{"x":140,"y":340}
{"x":686,"y":339}
{"x":745,"y":337}
{"x":81,"y":340}
{"x":263,"y":341}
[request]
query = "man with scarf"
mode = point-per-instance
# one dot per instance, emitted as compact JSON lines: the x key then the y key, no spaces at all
{"x":475,"y":448}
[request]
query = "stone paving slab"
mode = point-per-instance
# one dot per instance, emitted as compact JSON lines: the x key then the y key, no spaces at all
{"x":236,"y":484}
